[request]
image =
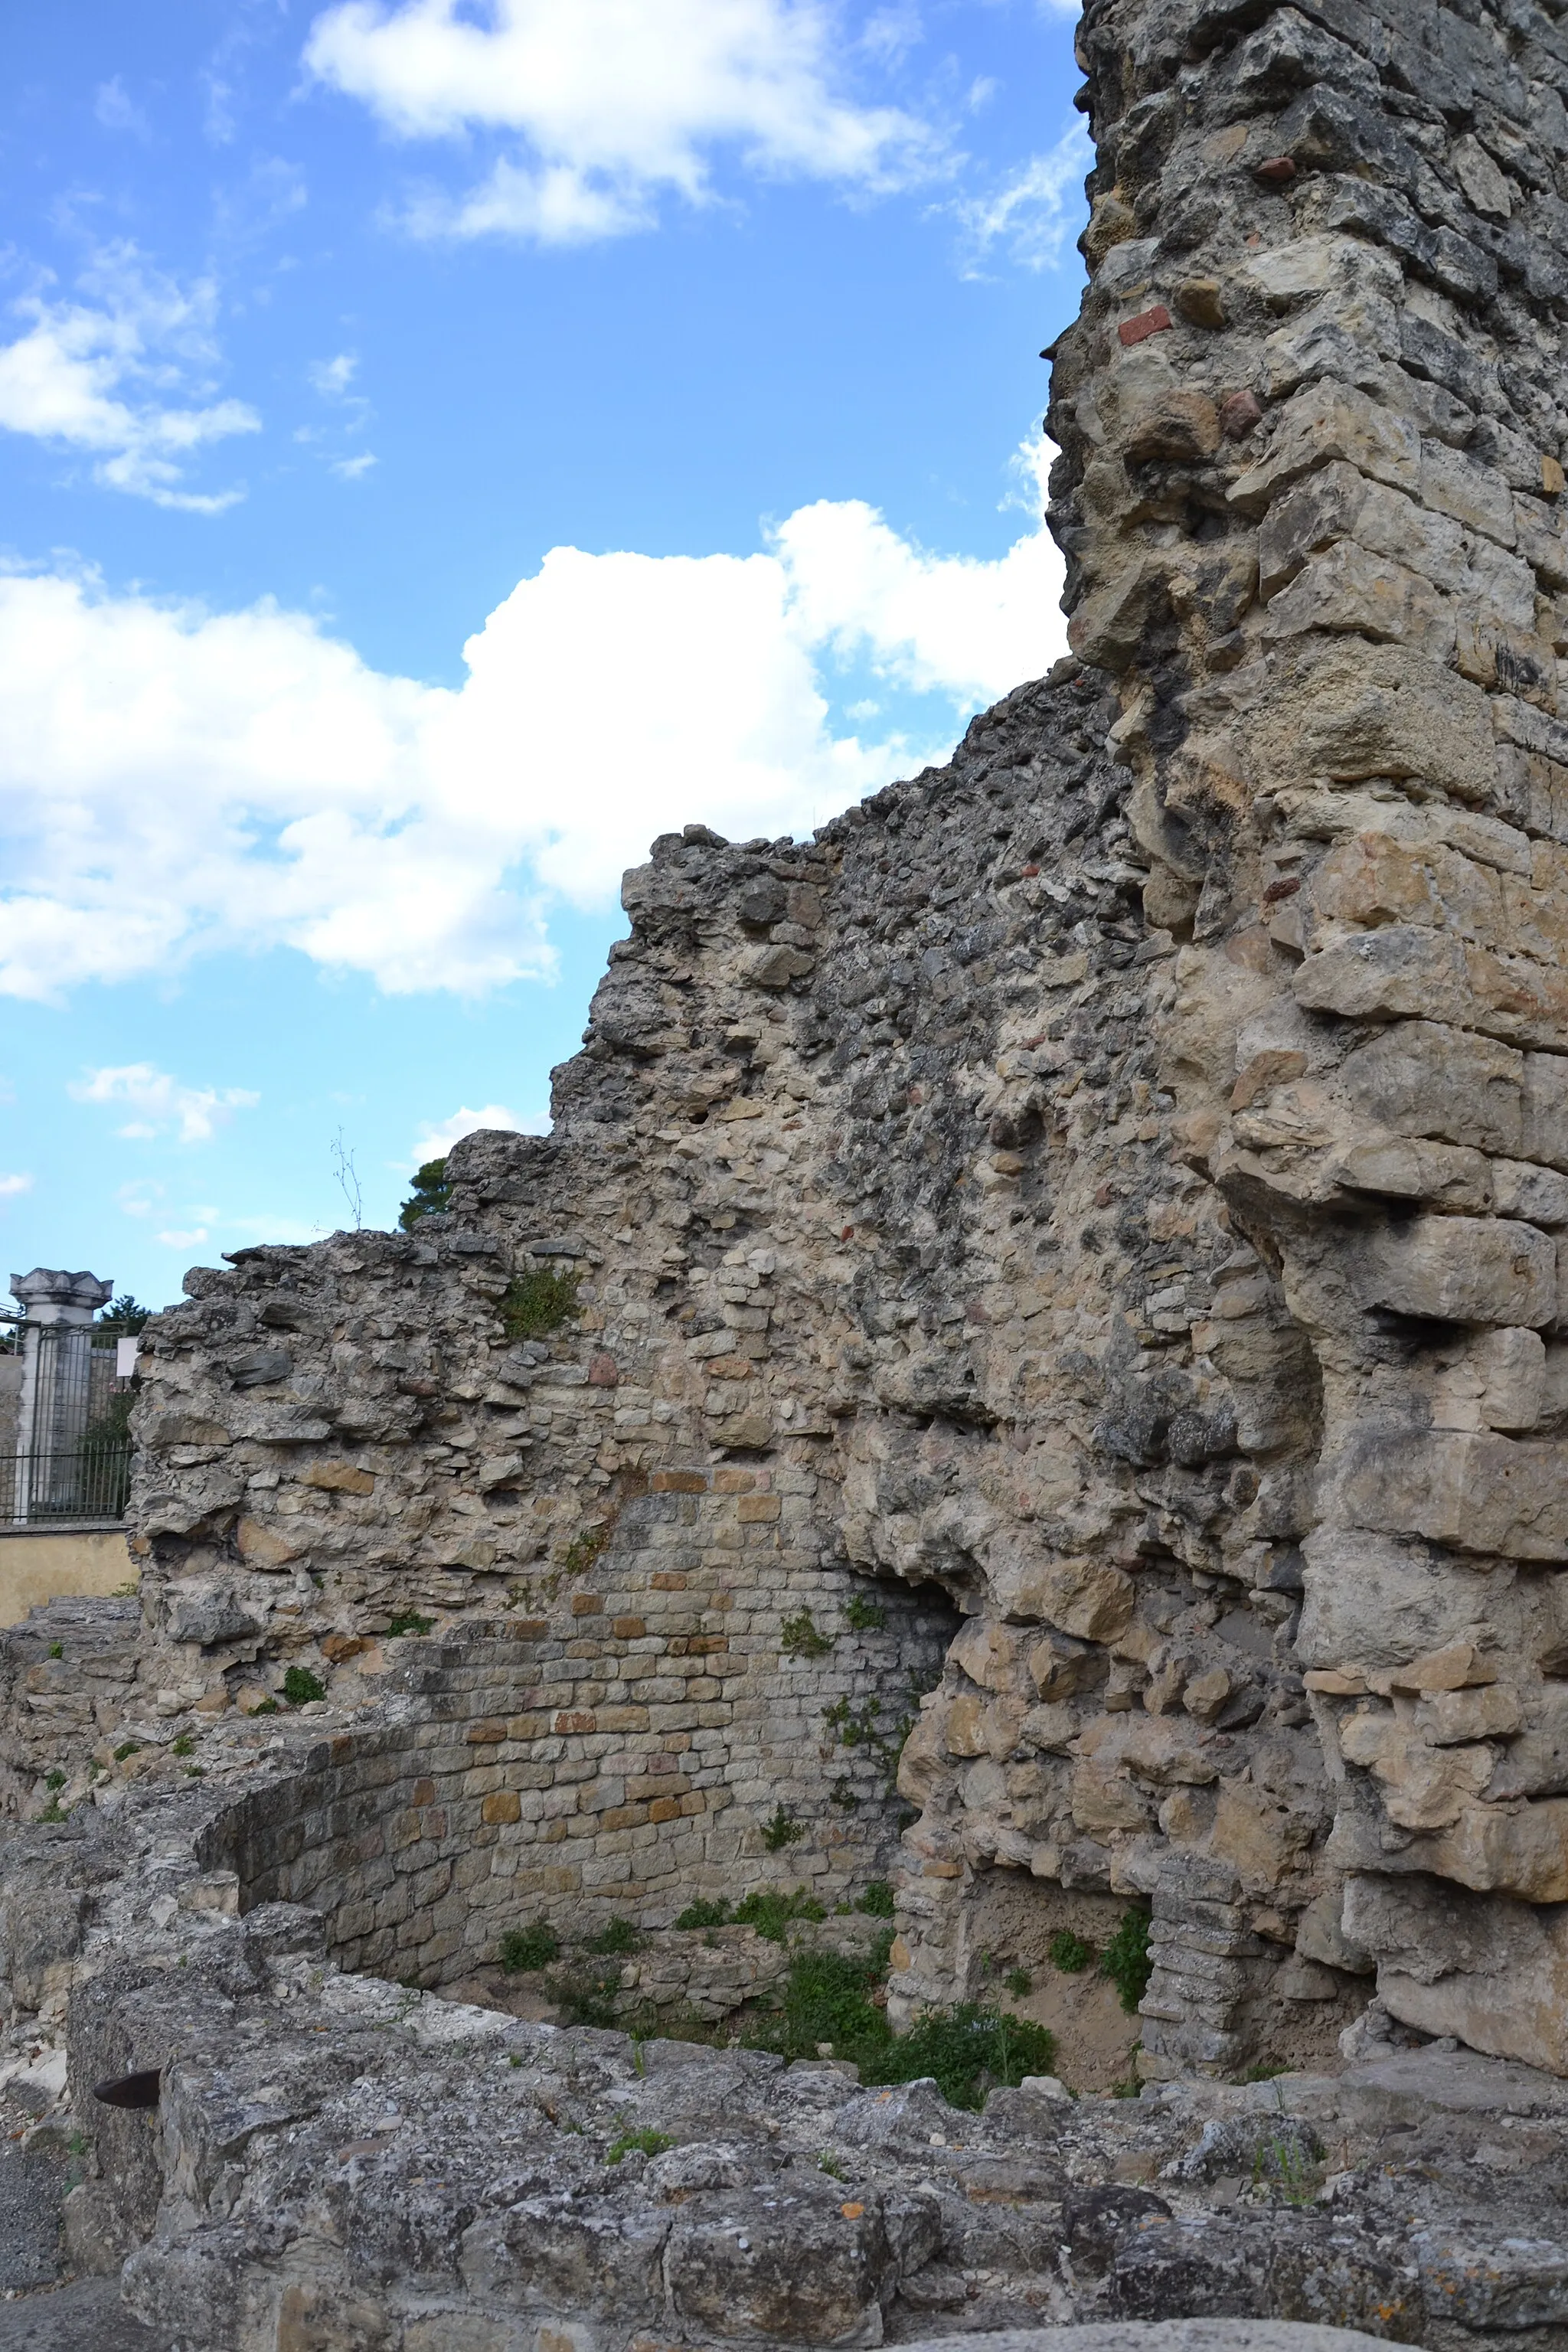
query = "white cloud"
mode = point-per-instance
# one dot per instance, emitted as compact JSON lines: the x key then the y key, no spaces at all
{"x":174,"y":782}
{"x":95,"y":376}
{"x":198,"y":1111}
{"x":1030,"y":214}
{"x":11,"y":1185}
{"x":117,"y":110}
{"x":331,"y":378}
{"x":435,"y":1141}
{"x":190,"y":1240}
{"x":352,"y":469}
{"x":614,"y":103}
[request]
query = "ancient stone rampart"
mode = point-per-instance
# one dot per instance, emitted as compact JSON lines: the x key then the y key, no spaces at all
{"x":1066,"y":1292}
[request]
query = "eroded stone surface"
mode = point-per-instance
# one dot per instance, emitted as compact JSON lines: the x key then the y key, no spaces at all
{"x":1067,"y":1302}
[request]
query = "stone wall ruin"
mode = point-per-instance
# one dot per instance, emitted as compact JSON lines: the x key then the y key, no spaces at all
{"x":1084,"y":1227}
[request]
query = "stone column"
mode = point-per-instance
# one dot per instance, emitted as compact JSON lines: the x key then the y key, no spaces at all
{"x":1312,"y":498}
{"x":55,"y":1407}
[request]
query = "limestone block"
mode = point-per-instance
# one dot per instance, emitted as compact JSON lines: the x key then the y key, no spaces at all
{"x":1544,"y":1110}
{"x":1180,"y":425}
{"x":1543,"y":539}
{"x":1537,"y":1194}
{"x":990,"y":1654}
{"x":1479,"y":1494}
{"x":1090,"y":1598}
{"x":1408,"y":970}
{"x":1425,"y":1788}
{"x":1321,"y":1935}
{"x":1160,"y":1749}
{"x":1449,"y":1718}
{"x":1411,"y":1170}
{"x":1507,"y":1850}
{"x":1351,"y":588}
{"x":1354,"y":711}
{"x":1475,"y":496}
{"x":1339,"y":502}
{"x":1494,"y":1973}
{"x":1420,"y":1078}
{"x":1486,"y":649}
{"x":1327,"y":421}
{"x":1461,"y":1270}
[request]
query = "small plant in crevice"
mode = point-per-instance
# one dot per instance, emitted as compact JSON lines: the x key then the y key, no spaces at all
{"x":831,"y":2166}
{"x":703,"y":1913}
{"x":877,"y":1902}
{"x":769,"y":1911}
{"x":800,"y":1636}
{"x":525,"y":1948}
{"x":647,"y":2142}
{"x":184,"y":1745}
{"x":538,"y":1302}
{"x":56,"y":1779}
{"x":864,"y":1616}
{"x":57,"y":1650}
{"x":836,"y":2002}
{"x":842,"y":1794}
{"x":1018,"y":1981}
{"x":782,"y":1830}
{"x":408,"y":1621}
{"x":584,"y":1549}
{"x":127,"y":1747}
{"x":300,"y":1686}
{"x":616,"y":1935}
{"x":1070,"y":1953}
{"x":1126,"y":1959}
{"x":586,"y":1996}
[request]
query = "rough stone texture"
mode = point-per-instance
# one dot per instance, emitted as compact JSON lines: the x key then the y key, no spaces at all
{"x":1067,"y":1296}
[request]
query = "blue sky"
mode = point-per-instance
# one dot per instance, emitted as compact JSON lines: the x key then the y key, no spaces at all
{"x":444,"y":443}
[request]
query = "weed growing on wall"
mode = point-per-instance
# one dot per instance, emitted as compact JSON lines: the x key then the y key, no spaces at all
{"x":769,"y":1911}
{"x":704,"y":1914}
{"x":1127,"y":1961}
{"x":533,"y":1947}
{"x":801,"y":1637}
{"x":648,"y":2143}
{"x":782,"y":1829}
{"x":1070,"y":1953}
{"x":863,"y":1616}
{"x":300,"y":1686}
{"x":538,"y":1302}
{"x":832,"y":1999}
{"x":410,"y":1620}
{"x":584,"y":1549}
{"x":618,"y":1936}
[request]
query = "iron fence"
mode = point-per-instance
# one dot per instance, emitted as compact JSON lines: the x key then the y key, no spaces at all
{"x":65,"y":1444}
{"x":44,"y":1489}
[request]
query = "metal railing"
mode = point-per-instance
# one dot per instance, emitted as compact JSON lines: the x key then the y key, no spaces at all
{"x":50,"y":1488}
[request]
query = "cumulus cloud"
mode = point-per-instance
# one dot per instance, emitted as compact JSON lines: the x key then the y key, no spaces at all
{"x":174,"y":782}
{"x":161,"y":1102}
{"x":436,"y":1141}
{"x":1029,"y":215}
{"x":613,"y":104}
{"x":95,"y":376}
{"x":11,"y":1185}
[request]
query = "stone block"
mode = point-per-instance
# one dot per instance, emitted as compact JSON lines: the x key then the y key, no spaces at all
{"x":1350,"y":588}
{"x":1408,"y":971}
{"x":1420,"y":1078}
{"x":1461,"y":1270}
{"x":1475,"y":496}
{"x":1352,"y":711}
{"x":1323,"y":422}
{"x":1478,"y":1492}
{"x":1339,"y":502}
{"x":1544,"y":1110}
